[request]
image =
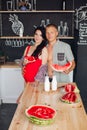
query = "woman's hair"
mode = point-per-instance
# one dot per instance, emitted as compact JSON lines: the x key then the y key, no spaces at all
{"x":43,"y":31}
{"x":39,"y":48}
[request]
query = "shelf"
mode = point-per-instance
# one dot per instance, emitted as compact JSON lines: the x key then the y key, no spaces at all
{"x":29,"y":37}
{"x":16,"y":37}
{"x":40,"y":11}
{"x":66,"y":37}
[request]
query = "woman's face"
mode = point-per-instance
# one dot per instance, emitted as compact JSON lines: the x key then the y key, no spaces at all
{"x":38,"y":37}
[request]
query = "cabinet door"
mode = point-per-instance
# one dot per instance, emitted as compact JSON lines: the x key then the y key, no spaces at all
{"x":12,"y":84}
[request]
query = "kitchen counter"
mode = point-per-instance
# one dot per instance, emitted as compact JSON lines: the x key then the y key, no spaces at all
{"x":9,"y":65}
{"x":11,"y":82}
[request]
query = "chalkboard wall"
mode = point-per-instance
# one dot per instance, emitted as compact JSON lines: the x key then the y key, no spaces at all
{"x":14,"y":48}
{"x":81,"y":75}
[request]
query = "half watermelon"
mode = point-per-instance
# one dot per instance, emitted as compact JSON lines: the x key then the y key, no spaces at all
{"x":61,"y":68}
{"x":40,"y":114}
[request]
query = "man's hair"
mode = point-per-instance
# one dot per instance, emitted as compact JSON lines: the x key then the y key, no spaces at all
{"x":52,"y":25}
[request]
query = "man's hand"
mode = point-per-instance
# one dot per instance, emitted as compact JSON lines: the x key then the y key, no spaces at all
{"x":66,"y":71}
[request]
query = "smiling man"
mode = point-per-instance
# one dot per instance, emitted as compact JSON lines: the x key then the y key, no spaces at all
{"x":60,"y":53}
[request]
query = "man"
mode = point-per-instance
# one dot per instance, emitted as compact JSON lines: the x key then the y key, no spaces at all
{"x":59,"y":53}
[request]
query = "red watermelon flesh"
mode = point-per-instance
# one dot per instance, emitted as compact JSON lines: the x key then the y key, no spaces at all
{"x":61,"y":68}
{"x":69,"y":97}
{"x":43,"y":112}
{"x":30,"y":58}
{"x":69,"y":87}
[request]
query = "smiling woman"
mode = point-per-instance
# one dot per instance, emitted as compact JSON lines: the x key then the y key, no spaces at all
{"x":35,"y":56}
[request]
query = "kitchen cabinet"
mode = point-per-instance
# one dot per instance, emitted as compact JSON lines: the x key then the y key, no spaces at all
{"x":11,"y":85}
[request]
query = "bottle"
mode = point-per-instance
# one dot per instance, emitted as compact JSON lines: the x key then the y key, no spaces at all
{"x":54,"y":83}
{"x":63,"y":4}
{"x":33,"y":3}
{"x":47,"y":84}
{"x":60,"y":28}
{"x":43,"y":23}
{"x":47,"y":21}
{"x":66,"y":29}
{"x":21,"y":32}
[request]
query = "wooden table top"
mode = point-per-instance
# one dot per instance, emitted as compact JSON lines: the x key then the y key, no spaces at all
{"x":68,"y":117}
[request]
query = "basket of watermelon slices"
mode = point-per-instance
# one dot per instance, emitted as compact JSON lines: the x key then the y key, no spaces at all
{"x":41,"y":114}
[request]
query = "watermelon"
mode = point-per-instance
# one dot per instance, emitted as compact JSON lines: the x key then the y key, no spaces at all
{"x":71,"y":88}
{"x":69,"y":97}
{"x":30,"y":58}
{"x":61,"y":68}
{"x":40,"y":114}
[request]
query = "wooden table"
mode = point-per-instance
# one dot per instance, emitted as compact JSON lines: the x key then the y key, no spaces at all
{"x":68,"y":117}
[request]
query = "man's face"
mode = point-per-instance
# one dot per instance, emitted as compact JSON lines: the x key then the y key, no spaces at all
{"x":51,"y":34}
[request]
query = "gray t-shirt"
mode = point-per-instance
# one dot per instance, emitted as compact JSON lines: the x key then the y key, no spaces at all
{"x":62,"y":54}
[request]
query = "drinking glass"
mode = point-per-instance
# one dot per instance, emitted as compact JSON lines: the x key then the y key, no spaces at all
{"x":9,"y":5}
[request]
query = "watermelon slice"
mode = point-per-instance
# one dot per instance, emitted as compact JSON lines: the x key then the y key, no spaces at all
{"x":62,"y":68}
{"x":71,"y":88}
{"x":70,"y":97}
{"x":30,"y":58}
{"x":40,"y":114}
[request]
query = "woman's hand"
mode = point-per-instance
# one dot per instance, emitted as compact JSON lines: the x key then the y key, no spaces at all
{"x":25,"y":62}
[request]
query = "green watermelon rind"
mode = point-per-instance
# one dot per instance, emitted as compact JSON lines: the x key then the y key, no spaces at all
{"x":38,"y":121}
{"x":76,"y":90}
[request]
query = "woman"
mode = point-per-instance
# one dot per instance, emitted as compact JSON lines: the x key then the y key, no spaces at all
{"x":34,"y":61}
{"x":35,"y":58}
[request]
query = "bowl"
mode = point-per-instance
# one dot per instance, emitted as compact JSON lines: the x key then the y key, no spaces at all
{"x":17,"y":61}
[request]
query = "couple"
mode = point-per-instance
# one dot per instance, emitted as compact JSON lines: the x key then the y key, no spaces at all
{"x":37,"y":59}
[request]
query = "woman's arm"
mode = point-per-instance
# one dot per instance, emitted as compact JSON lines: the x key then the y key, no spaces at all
{"x":40,"y":76}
